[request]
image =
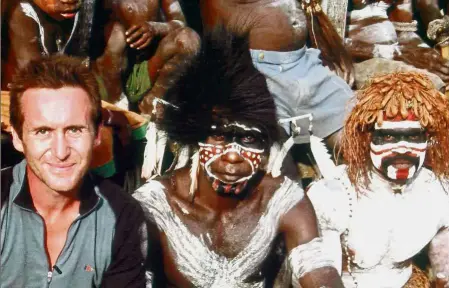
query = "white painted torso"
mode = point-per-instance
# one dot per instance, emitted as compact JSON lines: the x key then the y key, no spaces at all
{"x":202,"y":266}
{"x":386,"y":229}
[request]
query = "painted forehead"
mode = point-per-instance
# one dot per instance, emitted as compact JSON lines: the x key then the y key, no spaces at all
{"x":398,"y":125}
{"x":238,"y":127}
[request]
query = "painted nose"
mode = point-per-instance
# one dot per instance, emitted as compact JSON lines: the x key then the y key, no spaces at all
{"x":233,"y":157}
{"x":60,"y":147}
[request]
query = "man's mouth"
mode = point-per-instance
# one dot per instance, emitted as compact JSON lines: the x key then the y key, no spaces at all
{"x":401,"y":164}
{"x":68,"y":15}
{"x":61,"y":168}
{"x":229,"y":178}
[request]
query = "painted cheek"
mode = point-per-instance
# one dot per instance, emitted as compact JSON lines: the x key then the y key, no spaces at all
{"x":377,"y":159}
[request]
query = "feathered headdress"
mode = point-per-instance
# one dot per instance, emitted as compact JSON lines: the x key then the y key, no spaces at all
{"x":222,"y":84}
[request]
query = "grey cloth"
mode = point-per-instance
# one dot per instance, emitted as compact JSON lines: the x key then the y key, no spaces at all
{"x":102,"y":245}
{"x":300,"y":84}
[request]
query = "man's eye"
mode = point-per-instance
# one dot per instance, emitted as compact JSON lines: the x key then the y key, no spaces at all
{"x":218,"y":138}
{"x":75,"y":130}
{"x":248,"y":139}
{"x":42,"y":132}
{"x":388,"y":137}
{"x":414,"y":137}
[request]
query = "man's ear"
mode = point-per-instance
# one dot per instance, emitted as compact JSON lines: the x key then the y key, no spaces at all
{"x":16,"y":141}
{"x":97,"y":140}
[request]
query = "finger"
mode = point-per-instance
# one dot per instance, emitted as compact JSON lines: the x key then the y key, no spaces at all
{"x":134,"y":37}
{"x":144,"y":44}
{"x":145,"y":106}
{"x":132,"y":30}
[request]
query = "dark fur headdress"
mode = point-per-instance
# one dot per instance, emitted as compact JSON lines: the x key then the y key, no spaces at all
{"x":222,"y":77}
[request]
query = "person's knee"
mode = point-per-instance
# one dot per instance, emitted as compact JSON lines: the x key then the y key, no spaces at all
{"x":187,"y":41}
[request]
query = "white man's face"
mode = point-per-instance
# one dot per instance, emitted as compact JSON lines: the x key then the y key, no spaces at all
{"x":58,"y":136}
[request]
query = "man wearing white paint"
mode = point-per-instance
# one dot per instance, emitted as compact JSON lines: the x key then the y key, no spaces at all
{"x":391,"y":200}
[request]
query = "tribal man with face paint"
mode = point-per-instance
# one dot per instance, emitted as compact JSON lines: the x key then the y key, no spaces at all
{"x":224,"y":221}
{"x":384,"y":206}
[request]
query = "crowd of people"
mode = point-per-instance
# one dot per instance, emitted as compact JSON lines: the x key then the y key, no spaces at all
{"x":141,"y":149}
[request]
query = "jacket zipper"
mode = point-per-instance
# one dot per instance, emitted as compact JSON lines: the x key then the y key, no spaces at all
{"x":49,"y":277}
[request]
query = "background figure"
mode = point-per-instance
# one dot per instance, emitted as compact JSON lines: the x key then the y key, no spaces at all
{"x":384,"y":206}
{"x":60,"y":225}
{"x":388,"y":32}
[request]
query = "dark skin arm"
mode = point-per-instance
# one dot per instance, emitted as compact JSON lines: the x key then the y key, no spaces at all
{"x":428,"y":10}
{"x":139,"y":35}
{"x":23,"y":42}
{"x":299,"y":226}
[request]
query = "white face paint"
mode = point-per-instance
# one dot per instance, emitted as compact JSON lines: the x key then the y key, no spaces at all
{"x":209,"y":153}
{"x":174,"y":7}
{"x":400,"y":155}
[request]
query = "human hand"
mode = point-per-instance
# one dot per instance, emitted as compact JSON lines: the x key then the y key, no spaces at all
{"x":139,"y":36}
{"x":425,"y":58}
{"x":441,"y":281}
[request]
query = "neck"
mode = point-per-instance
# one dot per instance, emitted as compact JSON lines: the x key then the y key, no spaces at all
{"x":49,"y":202}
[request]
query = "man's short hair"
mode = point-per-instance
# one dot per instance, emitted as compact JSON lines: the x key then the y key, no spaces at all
{"x":53,"y":72}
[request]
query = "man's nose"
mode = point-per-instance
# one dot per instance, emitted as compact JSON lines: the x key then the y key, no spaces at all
{"x":60,"y":146}
{"x":232,"y":157}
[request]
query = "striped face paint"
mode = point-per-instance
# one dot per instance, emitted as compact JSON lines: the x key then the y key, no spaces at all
{"x":398,"y":149}
{"x":232,"y":138}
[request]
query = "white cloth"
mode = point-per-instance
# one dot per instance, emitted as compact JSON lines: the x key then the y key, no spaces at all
{"x":386,"y":229}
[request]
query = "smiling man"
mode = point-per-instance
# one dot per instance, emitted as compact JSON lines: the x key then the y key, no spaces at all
{"x":61,"y":226}
{"x":384,"y":207}
{"x":224,"y":220}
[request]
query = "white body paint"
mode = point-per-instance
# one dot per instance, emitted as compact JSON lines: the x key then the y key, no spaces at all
{"x":386,"y":51}
{"x":174,"y":7}
{"x":380,"y":32}
{"x":386,"y":229}
{"x":194,"y":258}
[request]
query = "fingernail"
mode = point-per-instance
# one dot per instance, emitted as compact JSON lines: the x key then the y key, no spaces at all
{"x":441,"y":275}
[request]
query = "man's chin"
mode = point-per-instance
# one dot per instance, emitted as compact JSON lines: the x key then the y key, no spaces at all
{"x":62,"y":183}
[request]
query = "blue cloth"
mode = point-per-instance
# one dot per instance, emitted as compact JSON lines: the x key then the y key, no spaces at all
{"x":300,"y":84}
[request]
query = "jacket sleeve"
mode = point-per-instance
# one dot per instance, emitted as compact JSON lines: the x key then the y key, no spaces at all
{"x":129,"y":250}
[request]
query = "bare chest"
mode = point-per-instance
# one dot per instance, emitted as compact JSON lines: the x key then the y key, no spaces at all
{"x":278,"y":20}
{"x":226,"y":233}
{"x":55,"y":239}
{"x":52,"y":36}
